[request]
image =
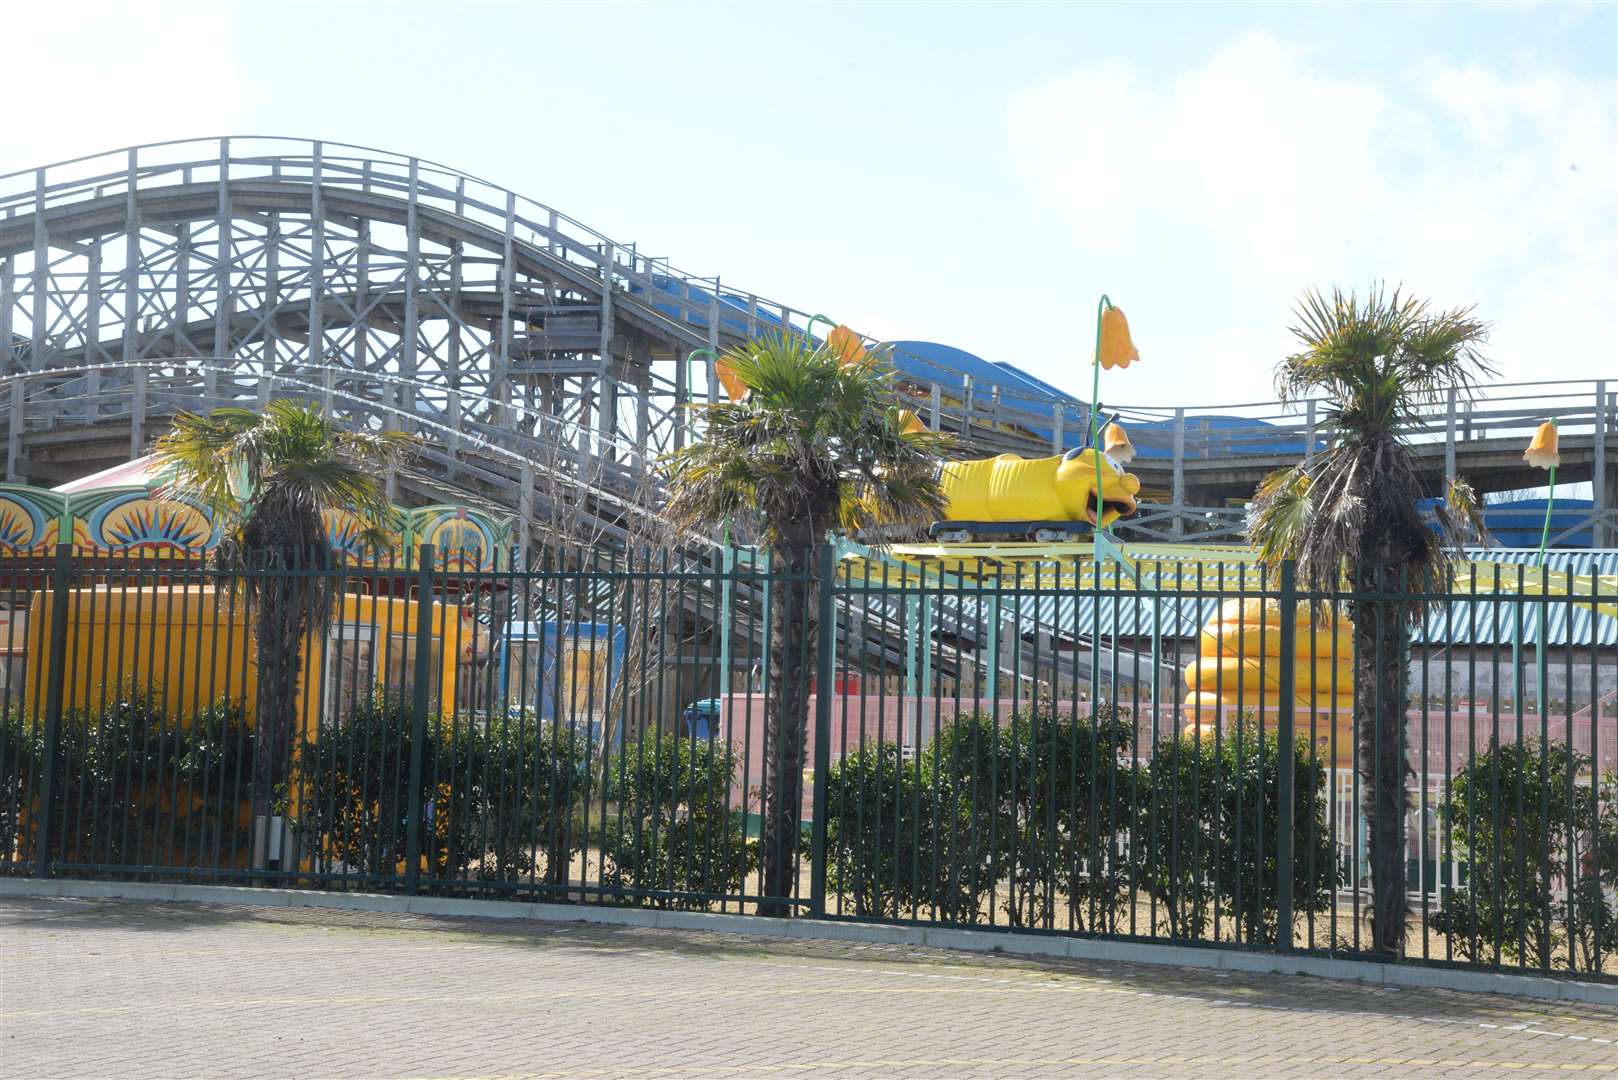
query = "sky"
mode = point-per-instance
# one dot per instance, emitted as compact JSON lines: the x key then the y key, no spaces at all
{"x":970,"y":174}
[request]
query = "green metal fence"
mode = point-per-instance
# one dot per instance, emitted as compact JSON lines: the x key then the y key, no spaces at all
{"x":973,"y":742}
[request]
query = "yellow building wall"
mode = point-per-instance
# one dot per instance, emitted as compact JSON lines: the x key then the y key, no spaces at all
{"x":192,"y":646}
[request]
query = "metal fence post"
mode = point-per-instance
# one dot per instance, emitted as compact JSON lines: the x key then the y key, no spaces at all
{"x":1177,"y":488}
{"x":418,"y":724}
{"x":1284,"y":733}
{"x":61,"y":576}
{"x":827,"y":665}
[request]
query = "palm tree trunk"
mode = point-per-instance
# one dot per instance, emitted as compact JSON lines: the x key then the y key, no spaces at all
{"x":1381,"y":648}
{"x":794,"y":647}
{"x":279,"y":638}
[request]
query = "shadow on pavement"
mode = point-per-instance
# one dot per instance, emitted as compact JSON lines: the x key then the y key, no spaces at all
{"x":1288,"y":992}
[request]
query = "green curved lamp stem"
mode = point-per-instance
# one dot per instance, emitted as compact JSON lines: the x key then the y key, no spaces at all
{"x":1095,"y":410}
{"x":1543,"y":682}
{"x":1095,"y":533}
{"x":809,"y":331}
{"x":1545,"y":533}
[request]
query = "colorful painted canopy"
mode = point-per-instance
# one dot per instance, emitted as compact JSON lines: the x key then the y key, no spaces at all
{"x":124,"y":508}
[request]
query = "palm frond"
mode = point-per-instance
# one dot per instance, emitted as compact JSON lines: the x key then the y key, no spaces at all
{"x":816,"y":444}
{"x":1378,"y":361}
{"x":1460,"y":515}
{"x":1278,"y":517}
{"x":287,"y":461}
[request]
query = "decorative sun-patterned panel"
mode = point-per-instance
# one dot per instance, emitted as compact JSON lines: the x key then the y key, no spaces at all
{"x":346,"y":533}
{"x":28,"y":519}
{"x":122,"y":518}
{"x":462,"y":539}
{"x":119,"y":519}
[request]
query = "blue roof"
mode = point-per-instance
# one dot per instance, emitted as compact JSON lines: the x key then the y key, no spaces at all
{"x":945,"y":364}
{"x":1519,"y":523}
{"x":733,"y":314}
{"x":931,"y":362}
{"x":1019,"y":373}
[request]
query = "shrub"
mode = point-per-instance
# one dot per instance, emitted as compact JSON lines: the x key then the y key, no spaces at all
{"x":1038,"y":804}
{"x":900,"y":841}
{"x":527,"y":776}
{"x":1596,"y":925}
{"x":213,"y":774}
{"x":354,"y":809}
{"x":131,"y":787}
{"x":1052,"y":795}
{"x":1517,"y":825}
{"x":16,"y":752}
{"x":1207,"y":814}
{"x":489,"y":799}
{"x":673,"y":833}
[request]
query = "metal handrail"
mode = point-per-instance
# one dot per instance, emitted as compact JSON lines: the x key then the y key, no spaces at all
{"x":343,"y":164}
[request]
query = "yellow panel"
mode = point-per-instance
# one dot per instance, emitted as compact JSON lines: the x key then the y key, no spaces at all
{"x":1206,"y":704}
{"x":1223,"y":674}
{"x":192,"y":646}
{"x":1247,"y":640}
{"x":1024,"y":489}
{"x":186,"y":644}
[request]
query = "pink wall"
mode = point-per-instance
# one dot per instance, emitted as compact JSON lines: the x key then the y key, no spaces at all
{"x":894,"y":718}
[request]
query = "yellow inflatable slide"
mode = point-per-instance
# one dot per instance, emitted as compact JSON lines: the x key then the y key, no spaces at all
{"x":1238,"y":669}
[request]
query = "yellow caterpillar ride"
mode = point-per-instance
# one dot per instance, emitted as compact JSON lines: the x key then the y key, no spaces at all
{"x":1046,"y":500}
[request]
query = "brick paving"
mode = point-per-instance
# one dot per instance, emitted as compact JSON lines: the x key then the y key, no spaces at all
{"x":128,"y":989}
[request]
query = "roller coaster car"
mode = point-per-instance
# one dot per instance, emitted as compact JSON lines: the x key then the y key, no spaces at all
{"x":1047,"y":500}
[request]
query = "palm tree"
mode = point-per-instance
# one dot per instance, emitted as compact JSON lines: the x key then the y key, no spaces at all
{"x":816,"y":443}
{"x":1348,"y":515}
{"x":269,"y":478}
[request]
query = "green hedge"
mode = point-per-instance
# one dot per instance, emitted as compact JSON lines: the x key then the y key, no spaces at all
{"x":1044,"y":820}
{"x":902,"y":839}
{"x":493,"y":803}
{"x":132,"y":786}
{"x":1516,"y":821}
{"x":674,"y":831}
{"x":1025,"y":815}
{"x":1207,"y":832}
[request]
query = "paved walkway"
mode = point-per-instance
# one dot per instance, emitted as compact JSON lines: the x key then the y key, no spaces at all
{"x":126,"y":989}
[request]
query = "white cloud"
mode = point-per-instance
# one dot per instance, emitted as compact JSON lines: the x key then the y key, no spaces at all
{"x":874,"y":324}
{"x":1258,"y":173}
{"x":89,"y":77}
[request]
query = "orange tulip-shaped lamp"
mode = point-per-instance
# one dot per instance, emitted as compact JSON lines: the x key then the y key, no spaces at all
{"x":846,"y":345}
{"x":1117,"y":445}
{"x":1545,"y":451}
{"x":735,"y":389}
{"x":1114,"y":347}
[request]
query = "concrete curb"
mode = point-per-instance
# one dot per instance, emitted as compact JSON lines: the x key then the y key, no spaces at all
{"x":1413,"y":976}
